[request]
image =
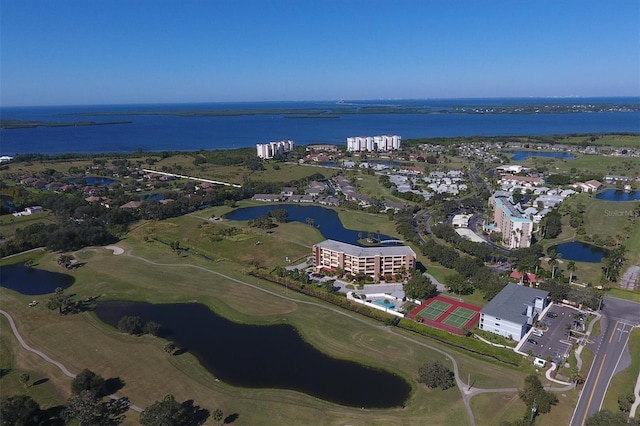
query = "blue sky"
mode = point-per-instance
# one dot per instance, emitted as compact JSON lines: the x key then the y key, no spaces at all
{"x":110,"y":52}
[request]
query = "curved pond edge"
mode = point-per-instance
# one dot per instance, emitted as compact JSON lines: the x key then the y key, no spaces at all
{"x":255,"y":358}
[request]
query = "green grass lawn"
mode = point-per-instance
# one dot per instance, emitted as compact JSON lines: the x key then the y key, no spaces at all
{"x":287,"y":172}
{"x":588,"y":164}
{"x":604,"y":140}
{"x":14,"y":361}
{"x":494,"y":408}
{"x":9,"y":223}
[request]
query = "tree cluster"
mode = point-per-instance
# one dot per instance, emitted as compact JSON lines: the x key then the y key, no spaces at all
{"x":535,"y":397}
{"x":169,"y":412}
{"x":136,"y":326}
{"x":420,"y":287}
{"x":435,"y":375}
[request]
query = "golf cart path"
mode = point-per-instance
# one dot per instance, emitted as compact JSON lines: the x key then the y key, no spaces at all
{"x":46,"y":357}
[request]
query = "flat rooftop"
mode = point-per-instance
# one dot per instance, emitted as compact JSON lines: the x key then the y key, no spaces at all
{"x":365,"y":251}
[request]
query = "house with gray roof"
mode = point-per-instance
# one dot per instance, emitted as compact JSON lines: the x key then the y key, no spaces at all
{"x":513,"y":311}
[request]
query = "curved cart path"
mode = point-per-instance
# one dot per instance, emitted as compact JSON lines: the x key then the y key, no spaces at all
{"x":46,"y":357}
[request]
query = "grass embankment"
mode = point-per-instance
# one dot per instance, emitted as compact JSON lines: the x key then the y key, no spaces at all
{"x":624,"y":381}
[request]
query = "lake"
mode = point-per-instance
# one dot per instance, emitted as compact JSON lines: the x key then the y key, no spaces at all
{"x":524,"y":155}
{"x":580,"y":252}
{"x":326,"y":220}
{"x":272,"y":356}
{"x":32,"y":281}
{"x":618,"y":195}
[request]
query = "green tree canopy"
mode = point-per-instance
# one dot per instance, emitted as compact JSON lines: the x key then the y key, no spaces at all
{"x":170,"y":412}
{"x":419,"y":287}
{"x":609,"y":418}
{"x":87,"y":380}
{"x":131,"y":324}
{"x":19,"y":410}
{"x":435,"y":375}
{"x":534,"y":393}
{"x":88,"y":410}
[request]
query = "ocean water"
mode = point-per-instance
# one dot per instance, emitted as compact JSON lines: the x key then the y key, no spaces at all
{"x":173,"y":132}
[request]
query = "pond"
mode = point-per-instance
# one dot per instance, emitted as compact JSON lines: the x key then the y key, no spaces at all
{"x":618,"y":195}
{"x":580,"y":252}
{"x":263,"y":356}
{"x":524,"y":155}
{"x":32,"y":281}
{"x":326,"y":220}
{"x":94,"y":181}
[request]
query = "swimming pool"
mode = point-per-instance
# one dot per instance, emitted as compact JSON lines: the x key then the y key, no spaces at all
{"x":382,"y":303}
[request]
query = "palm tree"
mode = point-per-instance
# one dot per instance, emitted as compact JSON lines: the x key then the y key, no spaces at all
{"x":217,"y":415}
{"x":24,"y":379}
{"x":553,"y":262}
{"x":571,"y":267}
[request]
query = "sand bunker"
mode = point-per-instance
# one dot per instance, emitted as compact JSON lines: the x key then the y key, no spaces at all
{"x":116,"y":250}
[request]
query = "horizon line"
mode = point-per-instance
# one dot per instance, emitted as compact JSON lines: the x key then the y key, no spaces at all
{"x":337,"y":101}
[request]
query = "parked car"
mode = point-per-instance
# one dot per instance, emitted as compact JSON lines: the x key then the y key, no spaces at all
{"x":537,"y":332}
{"x":533,"y":342}
{"x":552,"y":315}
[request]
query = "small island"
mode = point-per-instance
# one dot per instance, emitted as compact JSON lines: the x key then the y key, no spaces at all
{"x":21,"y":124}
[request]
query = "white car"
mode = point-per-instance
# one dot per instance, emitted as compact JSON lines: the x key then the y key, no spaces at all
{"x":537,"y":332}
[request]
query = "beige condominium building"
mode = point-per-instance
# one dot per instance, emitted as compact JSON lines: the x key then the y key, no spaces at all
{"x":375,"y":262}
{"x":515,"y":227}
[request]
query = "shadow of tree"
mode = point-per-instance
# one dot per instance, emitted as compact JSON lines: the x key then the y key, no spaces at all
{"x":181,"y":351}
{"x":41,"y":381}
{"x":197,"y":415}
{"x":113,"y":385}
{"x":231,"y":418}
{"x":53,"y":416}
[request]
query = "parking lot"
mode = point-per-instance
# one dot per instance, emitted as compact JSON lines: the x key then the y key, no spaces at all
{"x":555,"y":341}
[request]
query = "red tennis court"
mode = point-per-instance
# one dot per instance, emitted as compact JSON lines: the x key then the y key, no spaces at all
{"x":447,"y":314}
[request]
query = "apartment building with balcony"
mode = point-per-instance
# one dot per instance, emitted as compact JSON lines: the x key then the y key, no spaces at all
{"x":516,"y":228}
{"x":373,"y":143}
{"x":374,"y":262}
{"x":269,"y":150}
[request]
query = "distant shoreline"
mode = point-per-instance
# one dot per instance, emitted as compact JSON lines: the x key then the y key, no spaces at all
{"x":336,"y":112}
{"x":20,"y":124}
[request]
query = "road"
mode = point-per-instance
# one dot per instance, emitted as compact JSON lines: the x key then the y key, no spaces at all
{"x":618,"y":318}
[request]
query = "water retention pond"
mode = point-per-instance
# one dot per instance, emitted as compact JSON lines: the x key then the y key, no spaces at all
{"x":273,"y":356}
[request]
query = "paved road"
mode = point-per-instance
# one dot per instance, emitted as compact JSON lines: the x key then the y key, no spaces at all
{"x":618,"y":318}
